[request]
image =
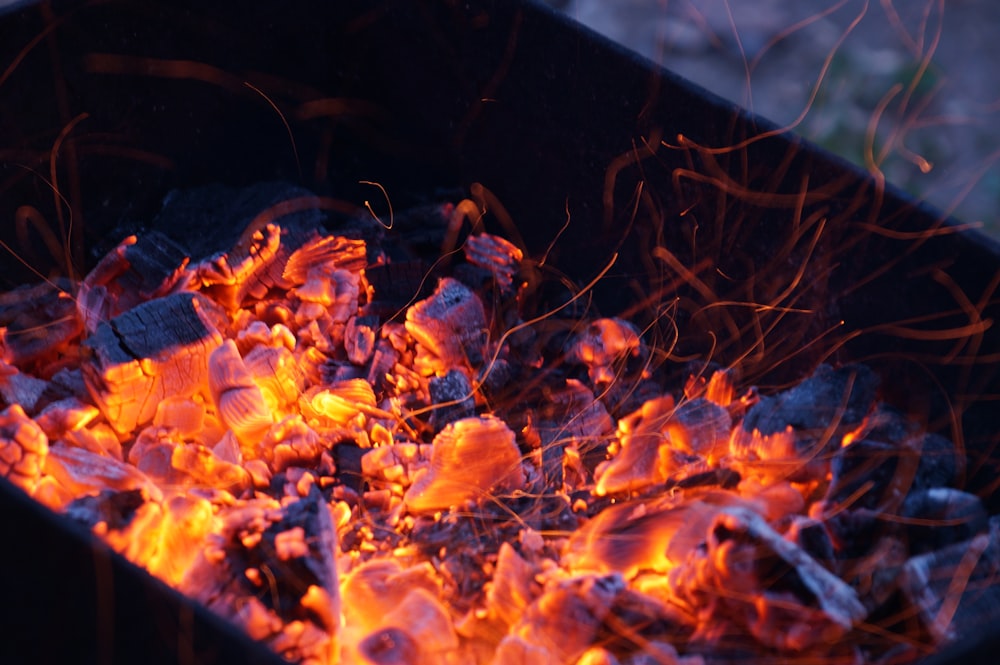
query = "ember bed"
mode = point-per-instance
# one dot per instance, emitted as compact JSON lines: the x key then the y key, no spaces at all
{"x":627,"y":194}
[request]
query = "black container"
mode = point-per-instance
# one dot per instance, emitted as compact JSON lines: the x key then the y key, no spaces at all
{"x":753,"y":248}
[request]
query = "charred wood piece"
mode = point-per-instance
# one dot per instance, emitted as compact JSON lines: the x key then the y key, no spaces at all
{"x":953,"y":590}
{"x":359,"y":338}
{"x":139,"y":269}
{"x":155,"y":350}
{"x":939,"y":517}
{"x":750,"y":574}
{"x":23,"y":448}
{"x":500,"y":257}
{"x":837,"y":398}
{"x":450,"y":324}
{"x":238,"y":400}
{"x":604,"y":348}
{"x":37,"y":323}
{"x":274,"y":565}
{"x":470,"y":459}
{"x":452,"y":397}
{"x":16,"y":387}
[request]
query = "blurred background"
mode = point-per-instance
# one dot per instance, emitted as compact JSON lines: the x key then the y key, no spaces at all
{"x":910,"y":88}
{"x":907,"y":88}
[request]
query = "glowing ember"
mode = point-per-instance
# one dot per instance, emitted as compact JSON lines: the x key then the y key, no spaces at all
{"x":351,"y":481}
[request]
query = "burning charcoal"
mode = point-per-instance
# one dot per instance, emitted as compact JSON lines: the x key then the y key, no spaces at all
{"x":375,"y":588}
{"x":256,"y":263}
{"x":37,"y":323}
{"x":719,"y":389}
{"x":348,"y":459}
{"x":954,"y":590}
{"x":332,"y":295}
{"x":188,"y":418}
{"x":278,"y":375}
{"x":162,"y":455}
{"x":500,"y":257}
{"x":327,"y":275}
{"x":203,"y":467}
{"x":17,"y":387}
{"x":639,"y":628}
{"x":938,"y":517}
{"x":381,"y":597}
{"x":83,"y":472}
{"x":597,"y":656}
{"x":237,"y":398}
{"x":636,"y":461}
{"x":114,"y":508}
{"x":511,"y":589}
{"x":776,"y":501}
{"x":604,"y":347}
{"x":337,"y":405}
{"x":158,"y":349}
{"x":59,"y":418}
{"x":830,"y":397}
{"x":450,"y":324}
{"x":228,"y":277}
{"x":359,"y":338}
{"x":562,"y":623}
{"x":726,"y":479}
{"x":272,"y":570}
{"x":325,"y":304}
{"x":814,"y":539}
{"x":451,"y":396}
{"x":163,"y":539}
{"x":384,"y":359}
{"x":127,"y":520}
{"x":769,"y":456}
{"x":291,"y":442}
{"x":422,"y":615}
{"x":627,"y":538}
{"x":646,"y":453}
{"x":137,"y":270}
{"x":324,"y":255}
{"x":700,"y":427}
{"x":258,"y":334}
{"x":186,"y":523}
{"x":98,"y":438}
{"x":768,"y":584}
{"x":274,"y":409}
{"x":388,"y":646}
{"x":23,"y":448}
{"x":471,"y":458}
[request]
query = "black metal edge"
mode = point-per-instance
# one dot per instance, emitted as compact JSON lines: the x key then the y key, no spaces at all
{"x":967,"y":256}
{"x":71,"y":599}
{"x":761,"y":124}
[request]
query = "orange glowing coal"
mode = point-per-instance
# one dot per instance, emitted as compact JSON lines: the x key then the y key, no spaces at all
{"x":433,"y":483}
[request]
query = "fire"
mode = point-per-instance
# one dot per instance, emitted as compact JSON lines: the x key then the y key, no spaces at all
{"x":347,"y":482}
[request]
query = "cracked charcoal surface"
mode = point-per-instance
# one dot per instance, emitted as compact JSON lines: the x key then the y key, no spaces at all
{"x":846,"y":395}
